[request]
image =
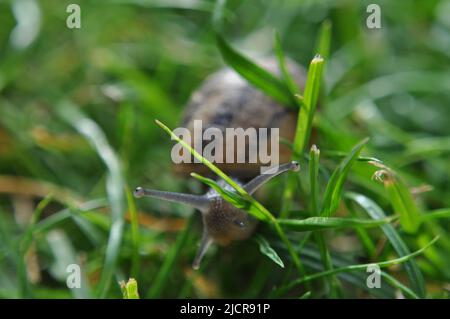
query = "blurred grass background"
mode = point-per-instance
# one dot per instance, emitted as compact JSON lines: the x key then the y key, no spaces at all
{"x":76,"y":122}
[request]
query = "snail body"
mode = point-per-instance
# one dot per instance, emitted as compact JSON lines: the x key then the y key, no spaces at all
{"x":225,"y":100}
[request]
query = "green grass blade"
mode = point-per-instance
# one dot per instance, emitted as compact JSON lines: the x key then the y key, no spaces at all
{"x":61,"y":216}
{"x":304,"y":125}
{"x":10,"y":276}
{"x":27,"y":237}
{"x":265,"y":249}
{"x":322,"y":223}
{"x":64,"y":254}
{"x":25,"y":244}
{"x":232,"y":197}
{"x":309,"y":104}
{"x":319,"y":236}
{"x":374,"y":211}
{"x":163,"y":276}
{"x":436,"y":214}
{"x":311,"y":257}
{"x":114,"y":187}
{"x":306,"y":295}
{"x":220,"y":14}
{"x":403,"y":203}
{"x":287,"y":78}
{"x":366,"y":240}
{"x":395,"y":283}
{"x":400,"y":198}
{"x":382,"y":264}
{"x":334,"y":187}
{"x":324,"y":40}
{"x":94,"y":235}
{"x":134,"y":233}
{"x":325,"y":257}
{"x":314,"y":155}
{"x":255,"y":75}
{"x":129,"y":289}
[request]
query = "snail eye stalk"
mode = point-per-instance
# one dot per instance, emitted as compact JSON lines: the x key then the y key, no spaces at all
{"x":260,"y":180}
{"x":197,"y":201}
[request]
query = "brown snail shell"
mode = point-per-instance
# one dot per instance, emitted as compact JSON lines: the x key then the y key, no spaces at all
{"x":226,"y":100}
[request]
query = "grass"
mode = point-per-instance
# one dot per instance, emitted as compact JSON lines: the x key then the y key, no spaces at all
{"x":374,"y":211}
{"x":129,"y":289}
{"x":359,"y":267}
{"x":77,"y":133}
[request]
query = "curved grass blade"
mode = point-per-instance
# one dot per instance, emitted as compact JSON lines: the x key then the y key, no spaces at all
{"x":366,"y":240}
{"x":64,"y":255}
{"x":400,"y":198}
{"x":265,"y":249}
{"x":306,"y":295}
{"x":287,"y":78}
{"x":394,"y":282}
{"x":403,"y":203}
{"x":27,"y":237}
{"x":374,"y":211}
{"x":388,"y":85}
{"x":382,"y":264}
{"x":114,"y":187}
{"x":59,"y":217}
{"x":311,"y":257}
{"x":256,"y":75}
{"x":340,"y":154}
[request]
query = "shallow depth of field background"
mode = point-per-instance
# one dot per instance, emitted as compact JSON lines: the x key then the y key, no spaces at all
{"x":69,"y":97}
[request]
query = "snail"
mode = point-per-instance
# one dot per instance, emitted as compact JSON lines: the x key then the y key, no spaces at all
{"x":226,"y":100}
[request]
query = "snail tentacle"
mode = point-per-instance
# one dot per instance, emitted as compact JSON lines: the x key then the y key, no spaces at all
{"x":197,"y":201}
{"x":204,"y":245}
{"x":260,"y":180}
